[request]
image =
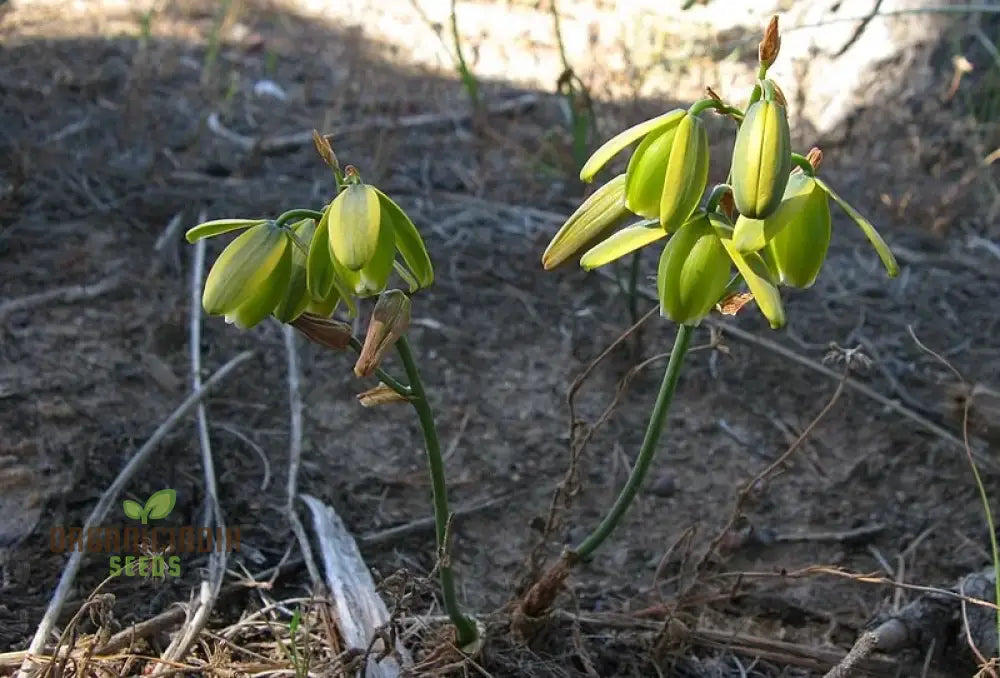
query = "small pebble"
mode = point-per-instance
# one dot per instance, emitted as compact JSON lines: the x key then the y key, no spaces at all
{"x":664,"y":486}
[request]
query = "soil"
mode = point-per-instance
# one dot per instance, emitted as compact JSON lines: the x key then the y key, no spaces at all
{"x":104,"y":142}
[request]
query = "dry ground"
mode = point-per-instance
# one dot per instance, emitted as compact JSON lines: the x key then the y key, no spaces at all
{"x":104,"y":140}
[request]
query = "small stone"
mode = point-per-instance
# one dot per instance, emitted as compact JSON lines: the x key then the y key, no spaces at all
{"x":664,"y":486}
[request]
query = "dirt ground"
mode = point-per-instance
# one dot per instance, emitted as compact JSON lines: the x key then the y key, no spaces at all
{"x":105,"y":139}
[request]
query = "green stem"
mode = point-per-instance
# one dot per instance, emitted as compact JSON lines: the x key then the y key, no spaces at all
{"x":646,"y":453}
{"x":984,"y":498}
{"x":292,"y":215}
{"x":757,"y":91}
{"x":465,"y":628}
{"x":715,"y":197}
{"x":803,"y":163}
{"x":468,"y":79}
{"x":702,"y":105}
{"x":383,"y":376}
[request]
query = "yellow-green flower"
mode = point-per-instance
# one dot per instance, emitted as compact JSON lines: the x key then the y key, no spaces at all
{"x":355,"y":245}
{"x":251,"y":275}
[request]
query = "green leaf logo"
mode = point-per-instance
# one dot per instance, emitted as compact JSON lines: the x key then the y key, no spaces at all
{"x":161,"y":504}
{"x":157,"y":507}
{"x":132,"y":509}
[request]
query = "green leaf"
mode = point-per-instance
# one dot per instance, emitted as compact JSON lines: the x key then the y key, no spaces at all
{"x":132,"y":509}
{"x":161,"y":503}
{"x":881,"y":248}
{"x":621,"y":243}
{"x":243,"y":268}
{"x":220,"y":226}
{"x":408,"y":241}
{"x":623,"y":139}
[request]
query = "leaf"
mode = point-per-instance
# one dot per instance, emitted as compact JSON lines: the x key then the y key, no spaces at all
{"x":161,"y":503}
{"x":618,"y":142}
{"x":218,"y":227}
{"x":621,"y":243}
{"x":881,"y":248}
{"x":132,"y":509}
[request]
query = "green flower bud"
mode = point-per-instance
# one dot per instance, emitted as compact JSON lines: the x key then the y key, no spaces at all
{"x":603,"y":210}
{"x":761,"y":157}
{"x":244,"y":269}
{"x":620,"y":141}
{"x":646,"y":173}
{"x":354,"y":220}
{"x":268,"y":295}
{"x":798,"y":248}
{"x":685,"y":173}
{"x":693,"y":273}
{"x":751,"y":235}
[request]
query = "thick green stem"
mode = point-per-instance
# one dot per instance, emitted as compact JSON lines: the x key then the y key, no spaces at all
{"x":464,"y":627}
{"x":648,"y":450}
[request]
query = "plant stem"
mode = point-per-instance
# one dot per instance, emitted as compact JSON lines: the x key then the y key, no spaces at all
{"x":646,"y":453}
{"x":383,"y":376}
{"x":465,"y":628}
{"x":803,"y":164}
{"x":297,"y":214}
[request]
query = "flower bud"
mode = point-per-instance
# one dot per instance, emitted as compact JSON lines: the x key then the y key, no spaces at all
{"x":390,"y":320}
{"x":620,"y":141}
{"x":603,"y":210}
{"x":799,"y":246}
{"x":686,"y":173}
{"x":353,"y":226}
{"x":242,"y":272}
{"x":767,"y":50}
{"x":324,"y":331}
{"x":693,"y":272}
{"x":762,"y":158}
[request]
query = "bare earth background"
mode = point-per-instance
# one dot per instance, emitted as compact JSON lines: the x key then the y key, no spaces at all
{"x":105,"y":140}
